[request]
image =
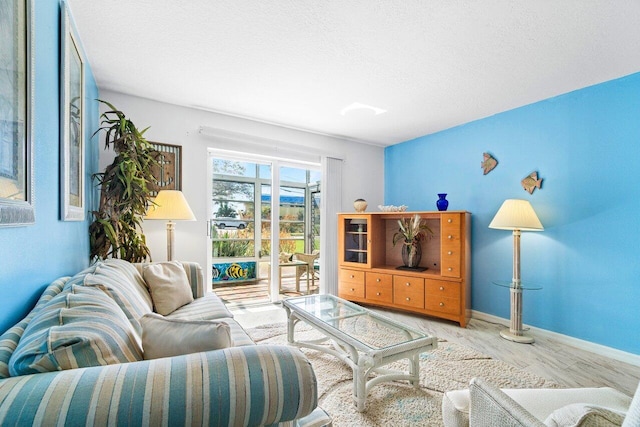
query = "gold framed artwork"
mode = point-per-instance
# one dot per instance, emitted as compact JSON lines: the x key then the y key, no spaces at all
{"x":72,"y":162}
{"x":17,"y":195}
{"x":168,"y":170}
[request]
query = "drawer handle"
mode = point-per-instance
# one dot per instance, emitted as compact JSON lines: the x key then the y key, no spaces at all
{"x":450,"y":269}
{"x":378,"y":293}
{"x":408,"y":299}
{"x":408,"y":284}
{"x":450,"y":253}
{"x":378,"y":279}
{"x":442,"y":288}
{"x":449,"y":220}
{"x":441,"y":304}
{"x":449,"y":237}
{"x":352,"y":276}
{"x":352,"y":290}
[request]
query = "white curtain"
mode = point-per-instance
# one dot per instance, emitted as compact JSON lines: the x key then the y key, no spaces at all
{"x":331,"y":204}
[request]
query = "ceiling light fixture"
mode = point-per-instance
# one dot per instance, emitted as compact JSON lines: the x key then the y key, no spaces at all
{"x":360,"y":106}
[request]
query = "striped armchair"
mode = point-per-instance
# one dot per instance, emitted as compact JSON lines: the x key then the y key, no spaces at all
{"x":241,"y":385}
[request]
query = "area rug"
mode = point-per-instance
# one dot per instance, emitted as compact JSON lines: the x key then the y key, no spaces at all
{"x":450,"y":367}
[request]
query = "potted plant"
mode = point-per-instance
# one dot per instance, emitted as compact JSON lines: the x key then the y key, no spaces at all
{"x":411,"y":232}
{"x":124,"y":193}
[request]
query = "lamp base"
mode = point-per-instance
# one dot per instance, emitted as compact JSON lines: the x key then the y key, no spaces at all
{"x":523,"y":339}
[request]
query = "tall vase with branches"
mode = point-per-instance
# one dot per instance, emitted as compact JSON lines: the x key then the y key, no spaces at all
{"x":124,"y":193}
{"x":411,"y":232}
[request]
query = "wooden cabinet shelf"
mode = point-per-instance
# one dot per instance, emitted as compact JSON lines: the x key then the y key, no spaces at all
{"x":368,"y":264}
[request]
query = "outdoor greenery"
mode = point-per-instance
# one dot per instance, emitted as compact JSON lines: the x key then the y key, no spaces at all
{"x":230,"y":247}
{"x":224,"y":211}
{"x":124,"y":193}
{"x":234,"y":196}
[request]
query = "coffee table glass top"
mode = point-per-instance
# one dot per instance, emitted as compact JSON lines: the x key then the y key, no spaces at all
{"x":370,"y":329}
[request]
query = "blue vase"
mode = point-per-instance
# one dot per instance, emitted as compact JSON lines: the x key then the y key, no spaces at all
{"x":442,"y":203}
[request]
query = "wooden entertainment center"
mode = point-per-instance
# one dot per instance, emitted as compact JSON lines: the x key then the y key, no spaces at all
{"x":368,"y":264}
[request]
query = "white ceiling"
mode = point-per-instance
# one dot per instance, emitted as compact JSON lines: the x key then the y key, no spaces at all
{"x":432,"y":64}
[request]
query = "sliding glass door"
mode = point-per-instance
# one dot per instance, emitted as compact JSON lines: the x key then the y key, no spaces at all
{"x":245,"y":211}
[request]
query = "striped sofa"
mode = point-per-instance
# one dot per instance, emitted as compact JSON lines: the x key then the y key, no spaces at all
{"x":241,"y":385}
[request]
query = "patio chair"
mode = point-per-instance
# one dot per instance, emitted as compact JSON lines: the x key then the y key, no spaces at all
{"x":310,"y":269}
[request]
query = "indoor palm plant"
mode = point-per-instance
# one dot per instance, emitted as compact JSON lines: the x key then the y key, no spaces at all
{"x":124,"y":191}
{"x":411,"y":232}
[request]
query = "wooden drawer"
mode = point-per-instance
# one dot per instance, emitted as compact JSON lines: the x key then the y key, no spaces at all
{"x":443,"y":305}
{"x":378,"y":279}
{"x":450,"y":262}
{"x":378,"y":287}
{"x":450,"y":221}
{"x":451,"y":246}
{"x":408,"y":291}
{"x":348,"y":290}
{"x":350,"y":283}
{"x":379,"y":292}
{"x":351,"y":276}
{"x":442,"y":289}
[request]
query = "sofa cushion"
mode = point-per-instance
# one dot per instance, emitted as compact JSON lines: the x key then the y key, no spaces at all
{"x":169,"y":286}
{"x":209,"y":307}
{"x":124,"y":284}
{"x":162,"y":337}
{"x":9,"y":340}
{"x":78,"y":328}
{"x":239,"y":336}
{"x":78,"y":278}
{"x":584,"y":414}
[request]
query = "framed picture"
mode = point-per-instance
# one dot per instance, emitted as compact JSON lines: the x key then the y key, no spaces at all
{"x":168,"y":171}
{"x":72,"y":162}
{"x":16,"y":113}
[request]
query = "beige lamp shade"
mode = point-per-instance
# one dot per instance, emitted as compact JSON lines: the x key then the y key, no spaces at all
{"x":170,"y":205}
{"x":516,"y":214}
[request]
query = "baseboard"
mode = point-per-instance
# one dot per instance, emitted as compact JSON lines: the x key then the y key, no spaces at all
{"x":602,"y":350}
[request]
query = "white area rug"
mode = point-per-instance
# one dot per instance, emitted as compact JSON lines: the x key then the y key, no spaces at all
{"x":450,"y":367}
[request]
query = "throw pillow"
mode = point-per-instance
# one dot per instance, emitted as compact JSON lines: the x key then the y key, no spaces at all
{"x":584,"y":415}
{"x":75,"y":331}
{"x":162,"y":337}
{"x":169,"y":286}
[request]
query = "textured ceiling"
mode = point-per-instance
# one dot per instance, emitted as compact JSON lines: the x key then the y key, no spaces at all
{"x":431,"y":64}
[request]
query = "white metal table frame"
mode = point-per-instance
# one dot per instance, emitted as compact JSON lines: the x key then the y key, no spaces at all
{"x":363,"y":359}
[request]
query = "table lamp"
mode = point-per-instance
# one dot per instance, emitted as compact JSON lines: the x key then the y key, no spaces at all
{"x":172,"y":206}
{"x":517,"y":215}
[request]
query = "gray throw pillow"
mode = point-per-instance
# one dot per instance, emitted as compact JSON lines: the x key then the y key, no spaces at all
{"x":168,"y":285}
{"x":162,"y":337}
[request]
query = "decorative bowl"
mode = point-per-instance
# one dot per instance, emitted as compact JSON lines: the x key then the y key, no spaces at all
{"x":392,"y":208}
{"x":360,"y":205}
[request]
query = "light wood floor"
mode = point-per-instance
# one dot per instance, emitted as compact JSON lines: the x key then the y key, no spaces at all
{"x":549,"y":358}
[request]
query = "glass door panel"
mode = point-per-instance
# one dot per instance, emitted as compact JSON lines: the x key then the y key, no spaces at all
{"x":242,"y":223}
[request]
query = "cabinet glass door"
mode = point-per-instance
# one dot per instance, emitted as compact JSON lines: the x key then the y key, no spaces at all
{"x":356,"y":240}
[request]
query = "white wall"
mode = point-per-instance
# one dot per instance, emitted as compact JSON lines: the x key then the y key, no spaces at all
{"x":362,"y":169}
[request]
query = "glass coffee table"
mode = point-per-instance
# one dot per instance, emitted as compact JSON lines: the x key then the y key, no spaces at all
{"x":364,"y":340}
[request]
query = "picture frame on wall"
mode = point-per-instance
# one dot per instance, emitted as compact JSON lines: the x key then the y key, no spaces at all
{"x":168,"y":169}
{"x":17,"y":195}
{"x":72,"y":141}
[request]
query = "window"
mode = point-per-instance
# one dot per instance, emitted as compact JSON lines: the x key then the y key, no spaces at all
{"x":240,"y":188}
{"x":233,"y":210}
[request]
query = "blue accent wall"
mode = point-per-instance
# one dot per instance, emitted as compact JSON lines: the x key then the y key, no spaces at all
{"x":31,"y":257}
{"x":586,"y":147}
